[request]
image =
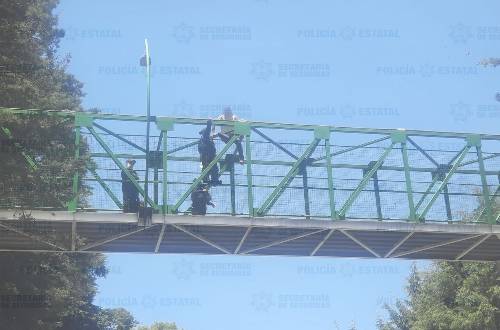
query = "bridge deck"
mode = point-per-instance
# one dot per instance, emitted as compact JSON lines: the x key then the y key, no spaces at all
{"x":118,"y":232}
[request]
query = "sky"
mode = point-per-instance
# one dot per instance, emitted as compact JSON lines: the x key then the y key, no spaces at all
{"x":388,"y":64}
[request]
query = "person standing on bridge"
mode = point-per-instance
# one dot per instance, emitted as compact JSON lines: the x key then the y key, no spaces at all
{"x":129,"y":190}
{"x":200,"y":198}
{"x":227,"y":132}
{"x":207,"y":150}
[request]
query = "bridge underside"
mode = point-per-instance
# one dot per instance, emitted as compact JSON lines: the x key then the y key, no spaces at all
{"x":117,"y":232}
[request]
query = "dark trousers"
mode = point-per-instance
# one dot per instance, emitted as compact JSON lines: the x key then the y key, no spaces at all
{"x":213,"y":174}
{"x":239,"y":147}
{"x":130,"y":203}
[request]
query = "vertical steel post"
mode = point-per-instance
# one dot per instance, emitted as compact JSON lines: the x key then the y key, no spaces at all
{"x":164,"y":125}
{"x":73,"y":204}
{"x":447,"y":205}
{"x":484,"y":182}
{"x":307,"y":206}
{"x":460,"y":156}
{"x":331,"y":191}
{"x":232,"y":183}
{"x":377,"y":195}
{"x":409,"y":189}
{"x":249,"y":174}
{"x":165,"y":174}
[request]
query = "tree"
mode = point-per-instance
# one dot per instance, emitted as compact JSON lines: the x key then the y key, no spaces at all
{"x":53,"y":290}
{"x":459,"y":295}
{"x":159,"y":326}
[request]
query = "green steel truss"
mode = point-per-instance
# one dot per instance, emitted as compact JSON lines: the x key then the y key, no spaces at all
{"x":396,"y":152}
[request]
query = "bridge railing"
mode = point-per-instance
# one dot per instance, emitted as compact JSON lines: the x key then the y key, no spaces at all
{"x":294,"y":171}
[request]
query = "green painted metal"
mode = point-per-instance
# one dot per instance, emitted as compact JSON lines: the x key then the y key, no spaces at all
{"x":307,"y":202}
{"x":204,"y":173}
{"x":232,"y":184}
{"x":165,"y":123}
{"x":106,"y":187}
{"x":484,"y":182}
{"x":73,"y":204}
{"x":383,"y":131}
{"x":356,"y":147}
{"x":445,"y":182}
{"x":322,"y":132}
{"x":248,"y":151}
{"x":119,"y":164}
{"x":409,"y":189}
{"x":119,"y":137}
{"x":31,"y":162}
{"x":83,"y":119}
{"x":242,"y":128}
{"x":165,"y":174}
{"x":398,"y":137}
{"x":476,"y":160}
{"x":287,"y":179}
{"x":331,"y":192}
{"x":276,"y":144}
{"x":364,"y":181}
{"x":427,"y":191}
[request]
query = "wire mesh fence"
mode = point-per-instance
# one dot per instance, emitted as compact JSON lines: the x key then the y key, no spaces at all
{"x":290,"y":175}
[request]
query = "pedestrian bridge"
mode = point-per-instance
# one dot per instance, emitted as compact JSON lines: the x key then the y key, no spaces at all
{"x":303,"y":190}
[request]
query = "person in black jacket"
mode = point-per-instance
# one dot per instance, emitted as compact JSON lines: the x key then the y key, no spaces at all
{"x":200,"y":198}
{"x":129,"y":190}
{"x":207,"y":151}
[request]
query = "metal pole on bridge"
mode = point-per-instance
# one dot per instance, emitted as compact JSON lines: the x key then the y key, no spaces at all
{"x":146,"y":61}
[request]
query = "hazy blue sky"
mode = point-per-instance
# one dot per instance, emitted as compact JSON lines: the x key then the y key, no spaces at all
{"x":411,"y":64}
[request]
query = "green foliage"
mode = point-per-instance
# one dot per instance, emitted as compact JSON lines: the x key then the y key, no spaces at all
{"x":55,"y":291}
{"x":159,"y":326}
{"x":450,"y":296}
{"x":32,"y":76}
{"x":42,"y":291}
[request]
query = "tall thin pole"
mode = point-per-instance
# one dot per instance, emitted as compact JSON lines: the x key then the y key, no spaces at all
{"x":148,"y":78}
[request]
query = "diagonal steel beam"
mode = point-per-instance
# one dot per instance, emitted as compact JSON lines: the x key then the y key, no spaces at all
{"x":268,"y":204}
{"x":276,"y":144}
{"x":429,"y":157}
{"x":31,"y":162}
{"x":105,"y":187}
{"x":363,"y":245}
{"x":119,"y":137}
{"x":483,"y":208}
{"x":204,"y":173}
{"x":160,"y":237}
{"x":182,"y":147}
{"x":242,"y":241}
{"x":323,"y":241}
{"x":476,"y":160}
{"x":201,"y":238}
{"x":447,"y":178}
{"x":119,"y":164}
{"x":112,"y":238}
{"x":435,"y":245}
{"x":348,"y":203}
{"x":31,"y":236}
{"x":472,"y":247}
{"x":281,"y":241}
{"x":354,"y":148}
{"x":401,"y":242}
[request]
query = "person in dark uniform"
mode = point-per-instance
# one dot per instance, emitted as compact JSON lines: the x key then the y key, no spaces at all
{"x":130,"y":192}
{"x":200,"y":198}
{"x":207,"y":151}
